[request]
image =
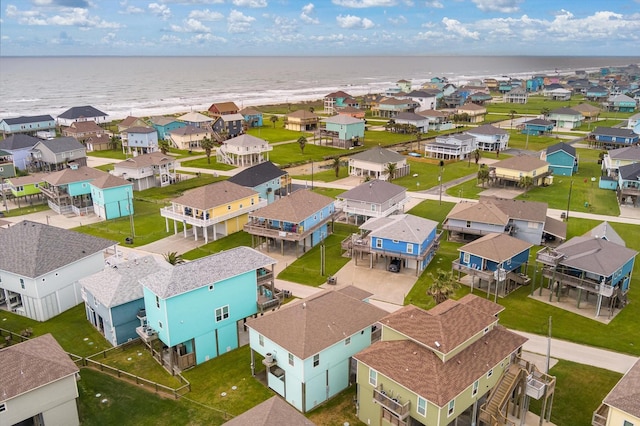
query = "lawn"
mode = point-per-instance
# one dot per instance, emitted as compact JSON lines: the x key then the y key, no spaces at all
{"x":534,"y":143}
{"x":236,"y":239}
{"x":338,"y":411}
{"x":324,"y":173}
{"x":202,"y":163}
{"x":288,"y":155}
{"x":534,"y":106}
{"x":470,"y":189}
{"x":306,"y":269}
{"x":115,"y":154}
{"x":19,"y":211}
{"x":591,"y":125}
{"x":277,"y":133}
{"x":177,"y":189}
{"x":286,"y":108}
{"x":329,"y":192}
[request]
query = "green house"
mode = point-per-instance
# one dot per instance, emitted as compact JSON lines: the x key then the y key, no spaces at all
{"x":26,"y":185}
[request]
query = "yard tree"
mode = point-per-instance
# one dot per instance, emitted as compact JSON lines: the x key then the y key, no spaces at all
{"x":476,"y":155}
{"x":526,"y":182}
{"x":545,"y":112}
{"x":207,"y":144}
{"x":173,"y":258}
{"x":443,"y":285}
{"x":483,"y":175}
{"x":336,"y":166}
{"x":391,"y":171}
{"x":113,"y":142}
{"x":302,"y":141}
{"x":274,"y":120}
{"x":512,"y":114}
{"x":164,"y":146}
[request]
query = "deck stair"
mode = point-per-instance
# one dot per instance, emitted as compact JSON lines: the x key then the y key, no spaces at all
{"x":493,"y":411}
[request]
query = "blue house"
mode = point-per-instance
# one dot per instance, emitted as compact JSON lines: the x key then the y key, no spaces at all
{"x":19,"y":146}
{"x":622,"y":103}
{"x":267,"y":179}
{"x":614,"y":136}
{"x":496,"y":259}
{"x":336,"y":100}
{"x":534,"y":84}
{"x":7,"y":169}
{"x":633,"y":123}
{"x":69,"y":191}
{"x":562,"y":159}
{"x":113,"y":297}
{"x":597,"y":93}
{"x":629,"y":184}
{"x":411,"y":239}
{"x":164,"y":125}
{"x":252,"y":117}
{"x":27,"y":125}
{"x":537,"y":127}
{"x":196,"y":308}
{"x":140,"y":140}
{"x":344,"y":131}
{"x":307,"y":346}
{"x":112,"y":196}
{"x":302,"y":219}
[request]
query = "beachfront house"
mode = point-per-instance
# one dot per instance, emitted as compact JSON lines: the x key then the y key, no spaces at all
{"x":562,"y":159}
{"x":56,"y":154}
{"x":374,"y":164}
{"x":419,"y":122}
{"x":427,"y":99}
{"x":307,"y":346}
{"x":620,"y":157}
{"x":336,"y":100}
{"x":621,"y":406}
{"x":195,"y":309}
{"x":41,"y":267}
{"x":189,"y":137}
{"x":537,"y":127}
{"x":621,"y":103}
{"x":376,"y":198}
{"x":39,"y":384}
{"x":20,"y":147}
{"x":243,"y":150}
{"x":518,"y":169}
{"x":68,"y":191}
{"x":302,"y":219}
{"x":267,"y":179}
{"x":613,"y":136}
{"x":565,"y":118}
{"x":525,"y":220}
{"x":473,"y":113}
{"x":140,"y":140}
{"x":7,"y":169}
{"x":490,"y":138}
{"x":164,"y":125}
{"x":497,"y":260}
{"x":82,"y":113}
{"x":301,"y":121}
{"x":129,"y":121}
{"x":147,"y":170}
{"x":252,"y":117}
{"x":629,"y":185}
{"x":451,"y":147}
{"x":218,"y":109}
{"x":343,"y":131}
{"x":452,"y":362}
{"x":31,"y":125}
{"x":112,"y":197}
{"x":113,"y":297}
{"x":219,"y":209}
{"x":229,"y":125}
{"x":196,"y":119}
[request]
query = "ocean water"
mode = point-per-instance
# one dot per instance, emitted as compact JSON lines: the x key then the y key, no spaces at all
{"x":145,"y":86}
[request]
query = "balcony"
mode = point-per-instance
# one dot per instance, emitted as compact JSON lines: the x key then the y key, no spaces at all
{"x":177,"y":213}
{"x":482,"y":274}
{"x":549,"y":257}
{"x":146,"y":333}
{"x":600,"y":416}
{"x":346,"y":208}
{"x":393,"y":405}
{"x":290,"y":232}
{"x":264,"y":276}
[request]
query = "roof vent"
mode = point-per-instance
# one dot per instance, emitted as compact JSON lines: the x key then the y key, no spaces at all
{"x":437,"y":344}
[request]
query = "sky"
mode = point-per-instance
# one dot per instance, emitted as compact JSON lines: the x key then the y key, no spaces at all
{"x":322,"y":27}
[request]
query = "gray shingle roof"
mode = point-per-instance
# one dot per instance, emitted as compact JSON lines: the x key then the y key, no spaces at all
{"x":29,"y":119}
{"x":146,"y":160}
{"x":401,"y":227}
{"x":60,"y":145}
{"x":604,"y":230}
{"x":208,"y":270}
{"x":295,"y":207}
{"x":630,"y":172}
{"x":257,"y":175}
{"x":120,"y":284}
{"x":245,"y":140}
{"x":162,"y":121}
{"x":86,"y":111}
{"x":561,"y":146}
{"x":32,"y":364}
{"x":564,"y":111}
{"x":110,"y":181}
{"x":140,"y":129}
{"x":625,"y":395}
{"x":409,"y":116}
{"x":523,"y":163}
{"x":33,"y":249}
{"x":342,"y":119}
{"x":486,"y":129}
{"x":378,"y":155}
{"x":614,"y":131}
{"x":66,"y":176}
{"x":626,"y":153}
{"x":595,"y":255}
{"x":18,"y":141}
{"x":539,"y":122}
{"x":375,"y":191}
{"x":273,"y":411}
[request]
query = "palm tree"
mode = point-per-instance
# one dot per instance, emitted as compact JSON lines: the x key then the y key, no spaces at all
{"x":476,"y":155}
{"x":512,"y":114}
{"x":173,"y":258}
{"x":302,"y":141}
{"x":311,"y":109}
{"x":545,"y":112}
{"x":207,"y":144}
{"x":391,"y":171}
{"x":418,"y":138}
{"x":113,"y":143}
{"x":526,"y":182}
{"x":164,"y":146}
{"x":483,"y":174}
{"x":274,"y":120}
{"x":336,"y":166}
{"x":444,"y":285}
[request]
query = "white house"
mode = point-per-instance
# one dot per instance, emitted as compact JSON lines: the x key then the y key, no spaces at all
{"x":148,"y":170}
{"x":41,"y":265}
{"x":490,"y":138}
{"x":451,"y":147}
{"x":82,"y":113}
{"x":243,"y":151}
{"x":374,"y":163}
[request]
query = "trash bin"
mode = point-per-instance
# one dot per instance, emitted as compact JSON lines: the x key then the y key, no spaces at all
{"x":128,"y":240}
{"x":332,"y":280}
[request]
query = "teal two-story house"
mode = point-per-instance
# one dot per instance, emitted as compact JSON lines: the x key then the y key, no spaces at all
{"x":112,"y":196}
{"x":164,"y":125}
{"x":562,"y":159}
{"x":194,"y":308}
{"x":344,"y":131}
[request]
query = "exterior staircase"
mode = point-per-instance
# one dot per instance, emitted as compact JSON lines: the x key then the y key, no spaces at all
{"x":491,"y":413}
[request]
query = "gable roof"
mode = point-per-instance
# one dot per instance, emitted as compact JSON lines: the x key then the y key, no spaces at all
{"x":561,"y":146}
{"x":595,"y":255}
{"x":258,"y":174}
{"x":533,"y":211}
{"x":249,"y":111}
{"x":27,"y":119}
{"x":18,"y":141}
{"x":586,"y":108}
{"x":620,"y":98}
{"x":375,"y":191}
{"x":69,"y":175}
{"x":60,"y":145}
{"x":487,"y":129}
{"x":472,"y":107}
{"x":140,"y":129}
{"x":195,"y":117}
{"x":295,"y":207}
{"x":162,"y":121}
{"x":223,"y":107}
{"x":86,"y":111}
{"x":614,"y":131}
{"x":378,"y":155}
{"x":433,"y":113}
{"x":146,"y":160}
{"x":27,"y":180}
{"x":478,"y":212}
{"x":212,"y":195}
{"x":245,"y":140}
{"x":626,"y":153}
{"x":189,"y":129}
{"x":130,"y":120}
{"x":605,"y":231}
{"x":84,"y":127}
{"x":119,"y":284}
{"x":185,"y":277}
{"x":303,"y":114}
{"x":273,"y":411}
{"x":312,"y":325}
{"x":410,"y":116}
{"x":402,"y":227}
{"x":555,"y":227}
{"x":565,"y":111}
{"x":523,"y":163}
{"x":630,"y":171}
{"x":496,"y":247}
{"x":342,"y":119}
{"x":231,"y":117}
{"x":32,"y":364}
{"x":625,"y":395}
{"x":539,"y":122}
{"x":33,"y":249}
{"x":338,"y":94}
{"x":110,"y":181}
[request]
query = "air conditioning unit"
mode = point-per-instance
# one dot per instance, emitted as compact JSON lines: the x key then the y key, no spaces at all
{"x":268,"y":358}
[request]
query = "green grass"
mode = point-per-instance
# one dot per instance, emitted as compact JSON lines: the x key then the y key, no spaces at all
{"x":306,"y":269}
{"x":110,"y":153}
{"x":535,"y":143}
{"x":329,"y":192}
{"x":285,"y":108}
{"x":590,"y":126}
{"x":534,"y":105}
{"x":177,"y":189}
{"x":231,"y":241}
{"x":337,"y":411}
{"x":470,"y":189}
{"x":289,"y":154}
{"x":323,"y":174}
{"x":278,"y":133}
{"x":14,"y":212}
{"x":202,"y":163}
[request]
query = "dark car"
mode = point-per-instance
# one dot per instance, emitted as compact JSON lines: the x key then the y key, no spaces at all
{"x":394,"y":265}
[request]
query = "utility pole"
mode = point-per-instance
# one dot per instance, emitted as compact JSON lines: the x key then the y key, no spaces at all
{"x":569,"y":200}
{"x":133,"y":230}
{"x":440,"y":179}
{"x":546,"y":370}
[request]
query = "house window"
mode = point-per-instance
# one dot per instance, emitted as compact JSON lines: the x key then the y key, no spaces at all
{"x":626,"y":423}
{"x":508,"y":262}
{"x":347,"y":341}
{"x":409,"y":248}
{"x":466,"y":257}
{"x":474,"y":390}
{"x":486,"y":330}
{"x":3,"y":408}
{"x":422,"y":406}
{"x":315,"y":217}
{"x":468,"y":224}
{"x":159,"y":324}
{"x":291,"y":359}
{"x":489,"y":373}
{"x":316,"y":360}
{"x":229,"y":207}
{"x":21,"y":283}
{"x":373,"y":377}
{"x":373,"y":207}
{"x":260,"y":339}
{"x":240,"y":205}
{"x":452,"y":407}
{"x":157,"y":301}
{"x":395,"y":241}
{"x":222,"y":313}
{"x":378,"y":242}
{"x":252,"y":201}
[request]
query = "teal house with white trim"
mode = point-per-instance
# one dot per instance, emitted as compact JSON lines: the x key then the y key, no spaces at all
{"x":196,"y":308}
{"x":562,"y":159}
{"x":112,"y":197}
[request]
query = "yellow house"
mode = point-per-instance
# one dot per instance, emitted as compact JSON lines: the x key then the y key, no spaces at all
{"x":220,"y":208}
{"x":621,"y":407}
{"x":475,"y":112}
{"x":189,"y":137}
{"x":301,"y":121}
{"x":513,"y":169}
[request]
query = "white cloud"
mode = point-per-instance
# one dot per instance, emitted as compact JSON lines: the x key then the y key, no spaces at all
{"x":306,"y":13}
{"x":455,"y":27}
{"x":250,"y":3}
{"x":190,"y":26}
{"x":77,"y":17}
{"x":238,"y":22}
{"x":400,"y":20}
{"x":351,"y":21}
{"x":131,"y":10}
{"x":206,"y":15}
{"x":434,"y":4}
{"x":359,"y":4}
{"x":504,"y":6}
{"x":201,"y":38}
{"x":161,"y":10}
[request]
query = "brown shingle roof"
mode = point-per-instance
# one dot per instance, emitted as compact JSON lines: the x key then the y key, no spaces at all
{"x":555,"y":227}
{"x":27,"y":180}
{"x":129,"y":121}
{"x":67,"y":176}
{"x":533,"y":211}
{"x":481,"y":304}
{"x":625,"y":395}
{"x":307,"y":327}
{"x":355,"y":292}
{"x":84,"y":127}
{"x":146,"y":160}
{"x":223,"y":107}
{"x":295,"y":207}
{"x":32,"y":364}
{"x":273,"y":411}
{"x":496,"y":247}
{"x":110,"y":181}
{"x":213,"y":195}
{"x":478,"y":212}
{"x":523,"y":163}
{"x":302,"y":113}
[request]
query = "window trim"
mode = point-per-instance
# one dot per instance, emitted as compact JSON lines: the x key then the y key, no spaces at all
{"x":489,"y":373}
{"x":475,"y":387}
{"x":222,"y":313}
{"x":316,"y":360}
{"x":451,"y":408}
{"x":424,"y":410}
{"x":291,"y":359}
{"x":3,"y":407}
{"x":373,"y":377}
{"x":260,"y":339}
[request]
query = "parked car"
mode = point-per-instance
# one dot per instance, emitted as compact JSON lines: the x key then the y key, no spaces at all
{"x":394,"y":265}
